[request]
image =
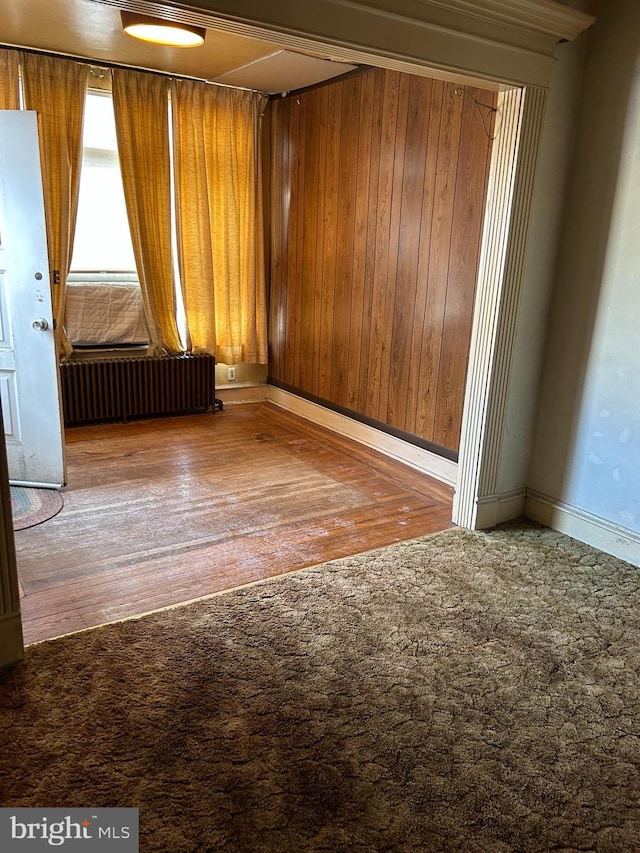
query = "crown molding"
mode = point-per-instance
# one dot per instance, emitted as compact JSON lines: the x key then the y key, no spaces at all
{"x":551,"y":19}
{"x":508,"y":42}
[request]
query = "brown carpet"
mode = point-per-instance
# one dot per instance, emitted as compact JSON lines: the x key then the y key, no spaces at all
{"x":461,"y":692}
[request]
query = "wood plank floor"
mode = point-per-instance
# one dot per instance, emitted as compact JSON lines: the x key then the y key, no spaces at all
{"x":164,"y":511}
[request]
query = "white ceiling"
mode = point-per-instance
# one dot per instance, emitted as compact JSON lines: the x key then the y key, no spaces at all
{"x":90,"y":30}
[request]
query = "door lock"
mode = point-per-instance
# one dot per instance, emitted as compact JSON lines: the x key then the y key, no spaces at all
{"x":40,"y":325}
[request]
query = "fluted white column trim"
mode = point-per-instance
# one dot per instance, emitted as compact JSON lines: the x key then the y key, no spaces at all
{"x":514,"y":157}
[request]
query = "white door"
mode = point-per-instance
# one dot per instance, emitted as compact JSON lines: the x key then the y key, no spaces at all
{"x":29,"y":382}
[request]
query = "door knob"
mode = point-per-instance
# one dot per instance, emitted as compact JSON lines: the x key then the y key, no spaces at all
{"x":41,"y":325}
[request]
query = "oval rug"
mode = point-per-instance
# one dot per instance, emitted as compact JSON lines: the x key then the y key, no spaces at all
{"x":33,"y":506}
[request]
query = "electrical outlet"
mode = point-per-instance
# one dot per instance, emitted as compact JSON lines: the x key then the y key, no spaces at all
{"x":231,"y":374}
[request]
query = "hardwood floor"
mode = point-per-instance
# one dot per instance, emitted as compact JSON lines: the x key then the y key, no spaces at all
{"x":164,"y":511}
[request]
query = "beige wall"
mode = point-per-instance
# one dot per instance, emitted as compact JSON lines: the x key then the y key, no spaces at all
{"x":253,"y":374}
{"x":548,"y":210}
{"x":586,"y":458}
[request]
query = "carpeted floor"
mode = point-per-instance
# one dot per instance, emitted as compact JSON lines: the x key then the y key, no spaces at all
{"x":462,"y":692}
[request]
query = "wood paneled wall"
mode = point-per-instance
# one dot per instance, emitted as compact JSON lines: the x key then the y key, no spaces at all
{"x":377,"y":188}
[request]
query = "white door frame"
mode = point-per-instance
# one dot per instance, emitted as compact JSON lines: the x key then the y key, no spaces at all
{"x":11,"y":646}
{"x":505,"y":45}
{"x":502,"y":45}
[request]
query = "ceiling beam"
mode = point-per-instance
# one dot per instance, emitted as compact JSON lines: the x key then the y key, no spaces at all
{"x":508,"y":41}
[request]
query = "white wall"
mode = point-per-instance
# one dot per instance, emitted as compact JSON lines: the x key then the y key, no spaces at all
{"x":547,"y":213}
{"x":586,"y":457}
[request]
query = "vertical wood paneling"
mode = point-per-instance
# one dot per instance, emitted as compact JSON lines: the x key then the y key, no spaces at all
{"x":368,"y":330}
{"x":403,"y":386}
{"x":446,"y":169}
{"x":420,"y":366}
{"x":277,"y":292}
{"x":379,"y":183}
{"x":392,"y":304}
{"x":467,"y":213}
{"x":347,"y":175}
{"x":298,"y":169}
{"x":318,"y":202}
{"x":308,"y":243}
{"x":333,"y":107}
{"x":287,"y":258}
{"x":359,"y":288}
{"x":379,"y":343}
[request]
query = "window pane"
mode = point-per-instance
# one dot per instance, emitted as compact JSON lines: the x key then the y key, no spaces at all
{"x":102,"y":241}
{"x":99,"y":124}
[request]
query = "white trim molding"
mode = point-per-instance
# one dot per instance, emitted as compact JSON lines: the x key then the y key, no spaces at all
{"x":489,"y":294}
{"x":494,"y":509}
{"x":553,"y":20}
{"x":500,"y":277}
{"x":242,"y":392}
{"x":583,"y":526}
{"x":415,"y":457}
{"x":11,"y":643}
{"x":490,"y":40}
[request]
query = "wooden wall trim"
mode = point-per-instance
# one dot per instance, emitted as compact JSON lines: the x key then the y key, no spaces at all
{"x":416,"y":441}
{"x":419,"y":458}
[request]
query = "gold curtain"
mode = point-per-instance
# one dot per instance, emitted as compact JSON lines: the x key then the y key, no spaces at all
{"x":140,"y":103}
{"x":9,"y":80}
{"x":56,"y":89}
{"x":219,"y":219}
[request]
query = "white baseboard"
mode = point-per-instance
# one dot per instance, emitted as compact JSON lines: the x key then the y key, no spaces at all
{"x":581,"y":525}
{"x":494,"y":509}
{"x":242,"y":392}
{"x":416,"y":457}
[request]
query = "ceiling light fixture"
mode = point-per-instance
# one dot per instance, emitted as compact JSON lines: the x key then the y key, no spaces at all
{"x":157,"y":31}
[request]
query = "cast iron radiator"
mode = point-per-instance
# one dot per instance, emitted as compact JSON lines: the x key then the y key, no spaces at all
{"x":105,"y":389}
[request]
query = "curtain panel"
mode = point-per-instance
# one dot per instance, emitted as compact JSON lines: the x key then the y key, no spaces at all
{"x":56,"y":89}
{"x":219,"y":219}
{"x":140,"y":103}
{"x":216,"y":197}
{"x":9,"y":80}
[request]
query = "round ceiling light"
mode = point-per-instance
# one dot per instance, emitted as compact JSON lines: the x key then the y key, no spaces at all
{"x":157,"y":31}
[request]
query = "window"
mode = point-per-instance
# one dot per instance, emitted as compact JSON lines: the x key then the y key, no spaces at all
{"x":102,"y":241}
{"x":104,"y":305}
